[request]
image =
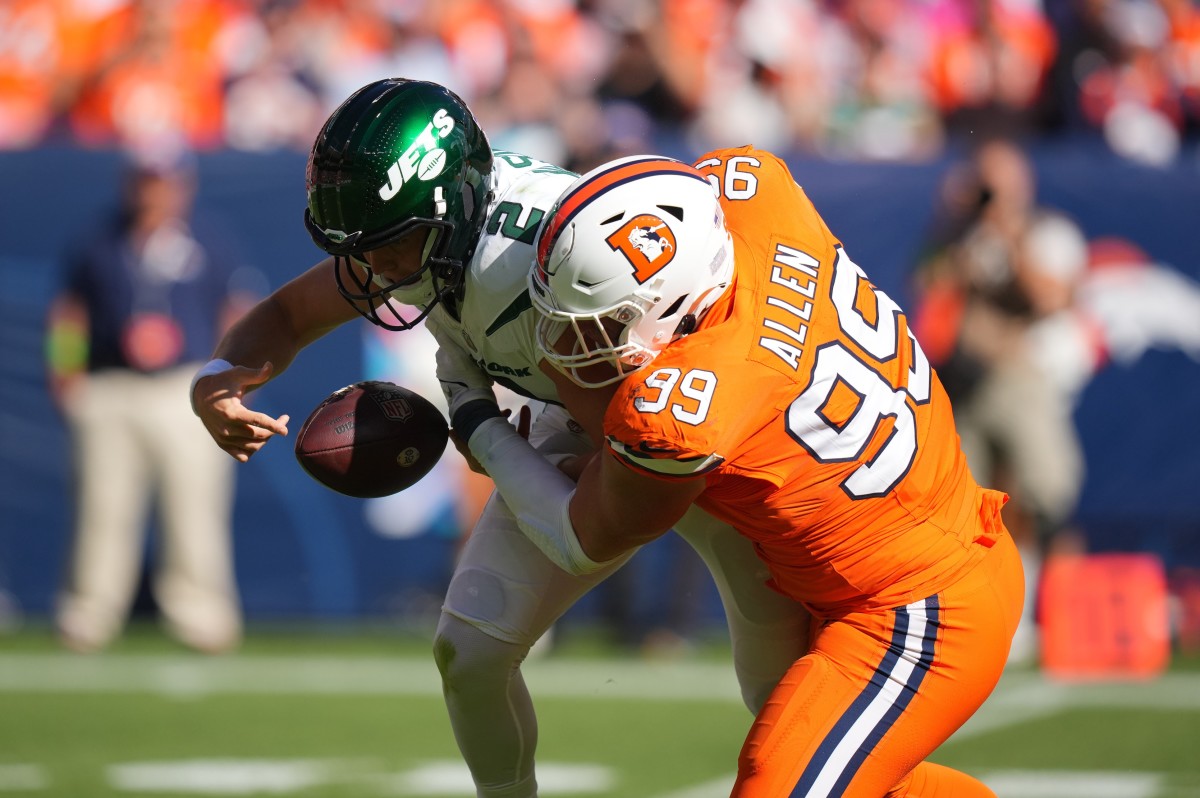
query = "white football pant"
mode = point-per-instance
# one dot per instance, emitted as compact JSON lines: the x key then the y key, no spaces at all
{"x":505,"y":594}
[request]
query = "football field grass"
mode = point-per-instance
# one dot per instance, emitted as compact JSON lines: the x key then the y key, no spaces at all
{"x":361,"y":715}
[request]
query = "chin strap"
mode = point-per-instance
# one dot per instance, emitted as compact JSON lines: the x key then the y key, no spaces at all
{"x":453,"y":299}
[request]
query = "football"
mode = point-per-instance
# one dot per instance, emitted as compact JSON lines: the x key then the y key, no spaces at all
{"x":371,"y":439}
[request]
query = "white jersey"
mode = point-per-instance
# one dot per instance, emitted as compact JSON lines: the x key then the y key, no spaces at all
{"x":494,"y":341}
{"x":503,"y":585}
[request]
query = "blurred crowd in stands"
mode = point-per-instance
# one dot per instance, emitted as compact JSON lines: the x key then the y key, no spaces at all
{"x":576,"y":82}
{"x":1015,"y":307}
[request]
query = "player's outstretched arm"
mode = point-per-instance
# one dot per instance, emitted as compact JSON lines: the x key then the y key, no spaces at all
{"x":579,"y":527}
{"x":615,"y":508}
{"x":259,"y":347}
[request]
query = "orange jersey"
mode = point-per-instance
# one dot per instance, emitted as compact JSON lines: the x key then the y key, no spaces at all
{"x":809,"y":408}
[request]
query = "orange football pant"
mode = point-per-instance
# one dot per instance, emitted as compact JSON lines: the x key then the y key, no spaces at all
{"x":879,"y":691}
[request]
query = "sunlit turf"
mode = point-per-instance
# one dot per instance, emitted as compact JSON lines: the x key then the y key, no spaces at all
{"x":70,"y":741}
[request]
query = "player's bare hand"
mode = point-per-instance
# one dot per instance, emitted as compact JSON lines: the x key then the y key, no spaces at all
{"x":219,"y":400}
{"x":524,"y":421}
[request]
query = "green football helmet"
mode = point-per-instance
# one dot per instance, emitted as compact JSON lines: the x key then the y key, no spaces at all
{"x":396,"y":156}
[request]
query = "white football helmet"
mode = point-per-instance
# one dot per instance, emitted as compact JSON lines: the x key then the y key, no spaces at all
{"x":629,"y":259}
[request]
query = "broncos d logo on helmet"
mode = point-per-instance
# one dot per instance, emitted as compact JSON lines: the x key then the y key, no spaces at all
{"x":646,"y":242}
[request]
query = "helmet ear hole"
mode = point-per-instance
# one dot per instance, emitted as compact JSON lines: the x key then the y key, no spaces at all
{"x":468,"y":201}
{"x":686,"y":325}
{"x":671,"y":311}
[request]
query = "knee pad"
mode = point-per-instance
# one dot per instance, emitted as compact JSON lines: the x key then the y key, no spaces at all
{"x":468,"y":657}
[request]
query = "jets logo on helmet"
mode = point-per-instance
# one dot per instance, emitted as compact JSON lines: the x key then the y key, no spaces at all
{"x":646,"y":242}
{"x":424,"y":158}
{"x":399,"y":157}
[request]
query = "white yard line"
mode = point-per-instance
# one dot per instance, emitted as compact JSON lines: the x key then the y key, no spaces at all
{"x":1073,"y":784}
{"x":1023,"y":697}
{"x":1016,"y":702}
{"x":1020,"y":695}
{"x":20,"y":776}
{"x":184,"y":675}
{"x":447,"y":777}
{"x":1019,"y":698}
{"x":717,"y":788}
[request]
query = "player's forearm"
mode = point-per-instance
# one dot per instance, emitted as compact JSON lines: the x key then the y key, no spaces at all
{"x":536,"y":492}
{"x":291,"y":318}
{"x":260,"y":336}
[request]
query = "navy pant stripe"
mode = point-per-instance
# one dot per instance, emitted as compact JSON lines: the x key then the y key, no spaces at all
{"x":886,"y":695}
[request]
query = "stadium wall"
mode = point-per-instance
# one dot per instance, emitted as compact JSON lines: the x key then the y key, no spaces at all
{"x":306,"y":553}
